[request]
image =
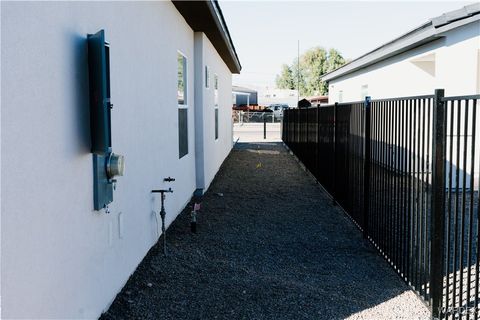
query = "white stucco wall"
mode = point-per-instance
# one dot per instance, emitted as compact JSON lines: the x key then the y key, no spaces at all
{"x":60,"y":258}
{"x":214,"y":150}
{"x":456,"y":70}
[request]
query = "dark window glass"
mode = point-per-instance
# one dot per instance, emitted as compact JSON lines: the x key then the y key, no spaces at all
{"x":182,"y":132}
{"x":216,"y":123}
{"x":207,"y":78}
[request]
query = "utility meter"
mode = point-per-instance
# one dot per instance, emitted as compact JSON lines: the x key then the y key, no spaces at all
{"x":106,"y":164}
{"x":115,"y":165}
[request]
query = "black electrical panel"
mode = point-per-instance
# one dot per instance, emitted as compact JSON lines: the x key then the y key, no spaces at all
{"x":106,"y":164}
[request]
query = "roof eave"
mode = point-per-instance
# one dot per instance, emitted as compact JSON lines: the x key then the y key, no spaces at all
{"x":415,"y":38}
{"x":206,"y":16}
{"x":428,"y":32}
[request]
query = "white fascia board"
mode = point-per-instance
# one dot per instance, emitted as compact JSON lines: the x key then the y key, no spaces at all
{"x":441,"y":30}
{"x":241,"y":93}
{"x":426,"y":33}
{"x":384,"y":52}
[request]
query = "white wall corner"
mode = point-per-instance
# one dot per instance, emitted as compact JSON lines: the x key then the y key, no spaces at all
{"x":199,"y":108}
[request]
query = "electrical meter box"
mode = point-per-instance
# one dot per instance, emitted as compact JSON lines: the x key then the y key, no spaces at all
{"x":106,"y":164}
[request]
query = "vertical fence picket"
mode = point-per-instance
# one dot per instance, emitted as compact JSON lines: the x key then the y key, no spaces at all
{"x":472,"y":203}
{"x":366,"y":169}
{"x":334,"y":169}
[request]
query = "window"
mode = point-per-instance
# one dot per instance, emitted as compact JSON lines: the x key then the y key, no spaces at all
{"x":207,"y":78}
{"x":182,"y":132}
{"x":478,"y":71}
{"x":182,"y":105}
{"x":182,"y":79}
{"x":340,"y":96}
{"x":215,"y":86}
{"x":216,"y":123}
{"x":363,"y":91}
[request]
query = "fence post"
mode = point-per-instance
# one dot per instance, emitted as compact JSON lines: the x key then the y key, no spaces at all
{"x":438,"y":204}
{"x":317,"y":154}
{"x":294,"y":134}
{"x":288,"y":126}
{"x":366,"y":169}
{"x":334,"y":184}
{"x":306,"y":146}
{"x":297,"y":130}
{"x":264,"y":125}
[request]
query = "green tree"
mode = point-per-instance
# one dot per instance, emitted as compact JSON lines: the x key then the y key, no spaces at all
{"x":314,"y":63}
{"x":285,"y":79}
{"x":334,"y":61}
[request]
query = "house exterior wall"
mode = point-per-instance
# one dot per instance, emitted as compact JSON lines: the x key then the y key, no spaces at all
{"x":216,"y":150}
{"x":60,"y":258}
{"x":456,"y":70}
{"x":210,"y":151}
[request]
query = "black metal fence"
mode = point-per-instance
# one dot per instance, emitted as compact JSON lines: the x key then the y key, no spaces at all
{"x":406,"y":172}
{"x":239,"y":116}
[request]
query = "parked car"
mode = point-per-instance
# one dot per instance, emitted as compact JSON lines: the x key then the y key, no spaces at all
{"x":278,"y":109}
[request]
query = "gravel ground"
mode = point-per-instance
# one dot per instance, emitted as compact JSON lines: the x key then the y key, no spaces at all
{"x":253,"y":132}
{"x":270,"y":245}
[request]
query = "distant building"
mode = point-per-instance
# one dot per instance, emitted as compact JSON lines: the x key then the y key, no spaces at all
{"x":317,"y":101}
{"x":244,"y":96}
{"x":269,"y":96}
{"x":441,"y":53}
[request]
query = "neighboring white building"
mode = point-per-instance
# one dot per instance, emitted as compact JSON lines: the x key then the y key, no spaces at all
{"x":268,"y":96}
{"x":441,"y":53}
{"x":169,"y":63}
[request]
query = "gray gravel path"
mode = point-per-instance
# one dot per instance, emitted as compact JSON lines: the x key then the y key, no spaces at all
{"x":271,"y":246}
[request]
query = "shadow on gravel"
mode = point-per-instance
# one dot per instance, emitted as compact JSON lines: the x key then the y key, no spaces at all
{"x":269,"y":245}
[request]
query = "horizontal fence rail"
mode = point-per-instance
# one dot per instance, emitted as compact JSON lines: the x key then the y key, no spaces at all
{"x":239,"y":116}
{"x":405,"y":170}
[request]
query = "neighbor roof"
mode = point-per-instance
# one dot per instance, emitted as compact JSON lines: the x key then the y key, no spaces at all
{"x":206,"y":16}
{"x":243,"y":89}
{"x":431,"y":30}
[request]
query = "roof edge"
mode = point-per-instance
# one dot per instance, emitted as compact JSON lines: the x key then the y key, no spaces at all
{"x":206,"y":16}
{"x":425,"y":33}
{"x":226,"y":33}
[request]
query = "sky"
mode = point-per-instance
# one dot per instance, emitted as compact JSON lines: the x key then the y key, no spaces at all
{"x":266,"y":33}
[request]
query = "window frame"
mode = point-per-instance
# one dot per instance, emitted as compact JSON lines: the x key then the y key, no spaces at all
{"x":183,"y":108}
{"x":215,"y":88}
{"x":216,"y":111}
{"x":207,"y":77}
{"x":185,"y":80}
{"x":363,"y":91}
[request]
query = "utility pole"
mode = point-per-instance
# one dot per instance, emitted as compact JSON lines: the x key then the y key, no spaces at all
{"x":298,"y":72}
